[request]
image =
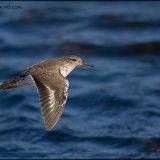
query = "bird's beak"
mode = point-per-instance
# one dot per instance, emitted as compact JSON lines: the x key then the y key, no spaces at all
{"x":86,"y":64}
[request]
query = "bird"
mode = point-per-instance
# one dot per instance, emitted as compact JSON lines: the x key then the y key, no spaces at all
{"x":49,"y":77}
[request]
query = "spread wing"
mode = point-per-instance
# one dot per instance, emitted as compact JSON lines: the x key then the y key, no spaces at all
{"x":52,"y":98}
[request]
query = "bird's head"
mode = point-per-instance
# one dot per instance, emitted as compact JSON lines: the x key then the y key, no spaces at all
{"x":77,"y":61}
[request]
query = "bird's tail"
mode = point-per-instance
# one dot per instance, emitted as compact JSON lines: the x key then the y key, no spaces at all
{"x":12,"y":83}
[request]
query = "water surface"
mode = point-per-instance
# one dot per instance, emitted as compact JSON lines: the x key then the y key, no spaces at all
{"x":113,"y":110}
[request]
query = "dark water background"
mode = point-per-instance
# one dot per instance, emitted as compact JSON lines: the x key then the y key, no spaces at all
{"x":113,"y":110}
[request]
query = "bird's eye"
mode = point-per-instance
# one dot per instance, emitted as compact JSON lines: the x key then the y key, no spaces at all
{"x":72,"y":59}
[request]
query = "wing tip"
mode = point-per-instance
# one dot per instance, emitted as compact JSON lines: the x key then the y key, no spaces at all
{"x":49,"y":128}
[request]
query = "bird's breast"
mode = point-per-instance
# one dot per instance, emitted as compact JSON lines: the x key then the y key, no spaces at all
{"x":65,"y":70}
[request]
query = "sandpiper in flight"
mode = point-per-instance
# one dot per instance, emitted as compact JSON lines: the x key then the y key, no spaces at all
{"x":49,"y":77}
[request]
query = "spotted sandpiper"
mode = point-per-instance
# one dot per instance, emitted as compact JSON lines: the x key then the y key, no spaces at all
{"x":49,"y":78}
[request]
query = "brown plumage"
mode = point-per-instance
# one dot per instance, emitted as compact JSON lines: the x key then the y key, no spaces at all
{"x":49,"y":77}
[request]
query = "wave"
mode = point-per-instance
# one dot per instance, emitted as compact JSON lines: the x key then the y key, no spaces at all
{"x":144,"y":47}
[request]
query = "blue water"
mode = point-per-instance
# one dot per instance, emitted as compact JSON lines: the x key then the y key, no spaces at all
{"x":113,"y":109}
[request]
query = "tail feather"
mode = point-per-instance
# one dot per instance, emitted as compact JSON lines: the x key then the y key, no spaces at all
{"x":12,"y":83}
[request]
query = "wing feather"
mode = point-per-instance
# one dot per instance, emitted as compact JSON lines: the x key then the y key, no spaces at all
{"x":52,"y":101}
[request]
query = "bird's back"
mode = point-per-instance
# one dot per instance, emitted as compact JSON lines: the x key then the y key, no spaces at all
{"x":42,"y":67}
